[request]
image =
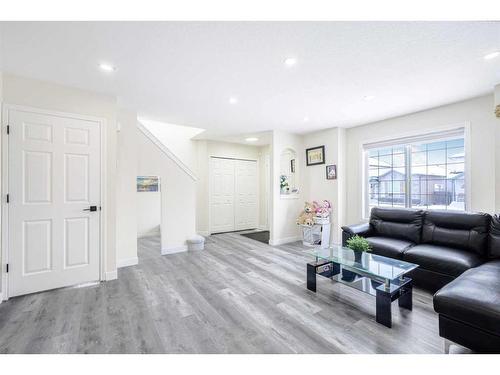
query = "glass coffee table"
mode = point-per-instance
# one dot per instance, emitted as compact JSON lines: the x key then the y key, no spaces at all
{"x":377,"y":275}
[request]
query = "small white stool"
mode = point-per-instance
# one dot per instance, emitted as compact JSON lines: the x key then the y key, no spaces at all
{"x":196,"y":243}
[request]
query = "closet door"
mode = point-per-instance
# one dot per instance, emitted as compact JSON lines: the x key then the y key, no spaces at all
{"x":221,"y":195}
{"x":246,"y":188}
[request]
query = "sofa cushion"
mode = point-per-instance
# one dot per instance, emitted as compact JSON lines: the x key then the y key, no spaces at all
{"x":389,"y":247}
{"x":463,"y":230}
{"x":442,"y":259}
{"x":473,"y":298}
{"x":494,"y":240}
{"x":405,"y":224}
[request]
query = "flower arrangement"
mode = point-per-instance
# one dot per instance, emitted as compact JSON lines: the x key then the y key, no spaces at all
{"x":323,"y":209}
{"x":284,"y":184}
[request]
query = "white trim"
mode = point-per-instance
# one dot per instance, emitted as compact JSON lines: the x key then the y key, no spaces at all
{"x":111,"y":275}
{"x":204,"y":233}
{"x":285,"y":240}
{"x":1,"y":297}
{"x":127,"y":262}
{"x":103,"y":252}
{"x":290,"y":196}
{"x":262,"y":227}
{"x":167,"y":151}
{"x":417,"y":138}
{"x":460,"y":129}
{"x":174,"y":250}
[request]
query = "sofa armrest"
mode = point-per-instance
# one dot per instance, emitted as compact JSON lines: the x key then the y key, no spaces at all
{"x":349,"y":231}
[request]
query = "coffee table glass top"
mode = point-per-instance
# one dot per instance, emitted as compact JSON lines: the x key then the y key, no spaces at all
{"x":365,"y":263}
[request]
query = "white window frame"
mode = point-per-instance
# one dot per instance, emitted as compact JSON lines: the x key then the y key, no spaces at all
{"x":437,"y":133}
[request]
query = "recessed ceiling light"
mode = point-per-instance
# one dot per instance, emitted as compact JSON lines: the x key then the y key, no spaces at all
{"x":491,"y":55}
{"x":107,"y":67}
{"x":290,"y":61}
{"x":306,"y":119}
{"x":233,"y":100}
{"x":368,"y":97}
{"x":251,"y":139}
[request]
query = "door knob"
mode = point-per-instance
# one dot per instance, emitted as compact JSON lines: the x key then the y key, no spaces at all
{"x":91,"y":208}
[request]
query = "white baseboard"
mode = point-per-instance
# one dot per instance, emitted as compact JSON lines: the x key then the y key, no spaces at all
{"x":262,"y":227}
{"x":1,"y":297}
{"x":174,"y":249}
{"x":111,"y":275}
{"x":282,"y":241}
{"x":204,"y":233}
{"x":127,"y":262}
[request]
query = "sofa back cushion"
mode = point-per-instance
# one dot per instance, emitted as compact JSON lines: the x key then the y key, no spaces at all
{"x":494,"y":241}
{"x":462,"y":230}
{"x":400,"y":223}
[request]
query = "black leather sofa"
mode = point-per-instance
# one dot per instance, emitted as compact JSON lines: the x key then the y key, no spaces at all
{"x":459,"y":257}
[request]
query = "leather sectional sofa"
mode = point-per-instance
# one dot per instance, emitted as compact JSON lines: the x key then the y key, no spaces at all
{"x":459,"y":257}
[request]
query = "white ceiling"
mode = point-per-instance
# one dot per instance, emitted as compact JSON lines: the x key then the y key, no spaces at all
{"x":185,"y":72}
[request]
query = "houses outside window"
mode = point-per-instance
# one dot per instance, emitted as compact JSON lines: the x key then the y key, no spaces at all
{"x":426,"y":173}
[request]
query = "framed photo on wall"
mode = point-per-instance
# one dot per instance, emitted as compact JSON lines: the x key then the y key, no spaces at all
{"x":315,"y":155}
{"x":331,"y":172}
{"x":148,"y":184}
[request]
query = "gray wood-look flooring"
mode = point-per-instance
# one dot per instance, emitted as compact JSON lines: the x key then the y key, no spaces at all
{"x":236,"y":296}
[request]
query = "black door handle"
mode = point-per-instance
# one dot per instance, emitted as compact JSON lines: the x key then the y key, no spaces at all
{"x":91,"y":208}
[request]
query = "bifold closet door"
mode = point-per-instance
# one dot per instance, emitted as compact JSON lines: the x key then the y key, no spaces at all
{"x":246,"y":194}
{"x":222,"y":195}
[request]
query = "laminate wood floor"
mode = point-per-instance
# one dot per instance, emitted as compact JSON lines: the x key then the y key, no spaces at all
{"x":236,"y":296}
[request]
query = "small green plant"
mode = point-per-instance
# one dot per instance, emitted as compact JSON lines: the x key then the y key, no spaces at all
{"x":358,"y":243}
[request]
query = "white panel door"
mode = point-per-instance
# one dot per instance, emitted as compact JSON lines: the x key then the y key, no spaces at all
{"x":54,"y":177}
{"x":246,"y":194}
{"x":221,"y":195}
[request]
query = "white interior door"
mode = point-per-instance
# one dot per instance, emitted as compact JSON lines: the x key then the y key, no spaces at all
{"x":221,"y":195}
{"x":54,"y":178}
{"x":246,"y":194}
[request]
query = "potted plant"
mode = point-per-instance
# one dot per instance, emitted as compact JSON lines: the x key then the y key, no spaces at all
{"x":359,"y":245}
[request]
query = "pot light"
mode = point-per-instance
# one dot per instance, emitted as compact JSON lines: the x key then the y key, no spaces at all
{"x":368,"y":97}
{"x":251,"y":139}
{"x":306,"y":119}
{"x":233,"y":100}
{"x":290,"y":61}
{"x":107,"y":67}
{"x":491,"y":55}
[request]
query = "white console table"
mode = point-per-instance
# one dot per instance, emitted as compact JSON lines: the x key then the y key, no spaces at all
{"x":316,"y":234}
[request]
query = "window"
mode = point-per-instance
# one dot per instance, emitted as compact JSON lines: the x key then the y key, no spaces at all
{"x":427,"y":172}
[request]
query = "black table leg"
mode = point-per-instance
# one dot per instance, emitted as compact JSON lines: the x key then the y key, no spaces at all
{"x":406,"y":297}
{"x":383,"y":314}
{"x":311,"y":277}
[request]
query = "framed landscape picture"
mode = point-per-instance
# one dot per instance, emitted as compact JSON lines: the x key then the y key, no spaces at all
{"x":148,"y":184}
{"x":315,"y":155}
{"x":331,"y":172}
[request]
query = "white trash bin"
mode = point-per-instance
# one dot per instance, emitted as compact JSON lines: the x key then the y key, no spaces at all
{"x":196,"y":243}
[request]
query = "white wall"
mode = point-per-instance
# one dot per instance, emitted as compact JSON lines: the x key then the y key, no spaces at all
{"x":50,"y":96}
{"x":483,"y":139}
{"x":177,"y":138}
{"x":178,"y":192}
{"x":497,"y":148}
{"x":316,"y":186}
{"x":285,"y":210}
{"x":205,"y":150}
{"x":148,"y":211}
{"x":126,"y":207}
{"x":264,"y":186}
